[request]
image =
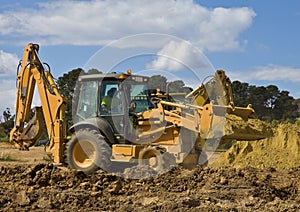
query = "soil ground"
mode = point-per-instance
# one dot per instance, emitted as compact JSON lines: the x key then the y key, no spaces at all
{"x":32,"y":183}
{"x":10,"y":155}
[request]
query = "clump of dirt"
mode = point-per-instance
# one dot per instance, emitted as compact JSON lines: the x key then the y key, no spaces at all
{"x":139,"y":172}
{"x":282,"y":151}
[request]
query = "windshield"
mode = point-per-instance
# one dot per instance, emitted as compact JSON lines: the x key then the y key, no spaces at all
{"x":87,"y":101}
{"x":139,"y":94}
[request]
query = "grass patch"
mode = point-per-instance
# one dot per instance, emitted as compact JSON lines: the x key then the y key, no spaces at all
{"x":4,"y":139}
{"x":6,"y":157}
{"x":47,"y":158}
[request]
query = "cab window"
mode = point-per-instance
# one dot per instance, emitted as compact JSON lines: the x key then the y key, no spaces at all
{"x":110,"y":99}
{"x":87,"y":102}
{"x":139,"y":96}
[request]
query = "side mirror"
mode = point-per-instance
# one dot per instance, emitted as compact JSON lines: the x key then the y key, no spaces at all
{"x":132,"y":107}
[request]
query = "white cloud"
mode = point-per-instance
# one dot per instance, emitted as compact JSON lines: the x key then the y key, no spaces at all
{"x":178,"y":55}
{"x":270,"y":72}
{"x":8,"y":67}
{"x":277,"y":72}
{"x":97,"y":22}
{"x":7,"y":95}
{"x":8,"y":64}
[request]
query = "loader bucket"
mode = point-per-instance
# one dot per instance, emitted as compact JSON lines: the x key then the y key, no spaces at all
{"x":220,"y":118}
{"x":232,"y":123}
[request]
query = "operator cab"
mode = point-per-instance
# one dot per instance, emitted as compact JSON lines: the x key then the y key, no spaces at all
{"x":112,"y":97}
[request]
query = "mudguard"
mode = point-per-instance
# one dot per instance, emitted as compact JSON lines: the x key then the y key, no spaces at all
{"x":98,"y":124}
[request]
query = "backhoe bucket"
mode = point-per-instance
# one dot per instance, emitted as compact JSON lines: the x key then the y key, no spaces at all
{"x":31,"y":132}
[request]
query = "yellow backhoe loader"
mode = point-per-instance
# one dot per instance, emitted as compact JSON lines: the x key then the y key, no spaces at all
{"x":136,"y":125}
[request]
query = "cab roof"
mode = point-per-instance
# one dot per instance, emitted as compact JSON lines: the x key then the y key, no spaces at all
{"x":113,"y":76}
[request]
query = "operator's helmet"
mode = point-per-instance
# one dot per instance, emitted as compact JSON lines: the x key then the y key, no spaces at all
{"x":111,"y":92}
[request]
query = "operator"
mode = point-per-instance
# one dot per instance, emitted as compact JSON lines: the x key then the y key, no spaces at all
{"x":107,"y":100}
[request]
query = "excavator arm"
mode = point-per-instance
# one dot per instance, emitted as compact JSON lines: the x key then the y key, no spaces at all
{"x":52,"y":113}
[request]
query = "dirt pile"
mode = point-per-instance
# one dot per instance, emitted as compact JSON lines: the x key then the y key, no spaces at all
{"x":282,"y":151}
{"x":48,"y":188}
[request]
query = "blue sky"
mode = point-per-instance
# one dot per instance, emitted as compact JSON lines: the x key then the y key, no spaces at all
{"x":253,"y":41}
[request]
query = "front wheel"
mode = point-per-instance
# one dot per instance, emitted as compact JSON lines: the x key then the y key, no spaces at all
{"x":87,"y":151}
{"x":152,"y":157}
{"x":157,"y":159}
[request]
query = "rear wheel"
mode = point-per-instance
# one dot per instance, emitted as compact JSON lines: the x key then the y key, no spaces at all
{"x":88,"y":151}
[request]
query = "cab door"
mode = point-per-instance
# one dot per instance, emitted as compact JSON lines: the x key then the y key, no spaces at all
{"x":112,"y":107}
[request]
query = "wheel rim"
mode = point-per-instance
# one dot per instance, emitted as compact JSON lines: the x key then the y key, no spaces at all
{"x":150,"y":158}
{"x":153,"y":162}
{"x":84,"y":153}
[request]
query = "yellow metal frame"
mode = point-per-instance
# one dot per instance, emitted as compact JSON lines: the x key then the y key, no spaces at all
{"x":31,"y":75}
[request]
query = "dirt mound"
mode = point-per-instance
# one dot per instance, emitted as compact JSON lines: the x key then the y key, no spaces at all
{"x":282,"y":151}
{"x":48,"y":188}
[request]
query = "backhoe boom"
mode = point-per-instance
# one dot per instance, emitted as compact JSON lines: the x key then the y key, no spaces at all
{"x":31,"y":75}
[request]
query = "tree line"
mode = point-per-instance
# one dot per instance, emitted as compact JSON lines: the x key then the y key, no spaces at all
{"x":268,"y":102}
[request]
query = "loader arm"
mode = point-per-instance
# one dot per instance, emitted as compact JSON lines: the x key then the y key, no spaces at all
{"x":25,"y":133}
{"x":211,"y":112}
{"x":210,"y":120}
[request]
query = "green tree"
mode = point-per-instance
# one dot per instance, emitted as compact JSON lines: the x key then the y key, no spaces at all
{"x":176,"y":86}
{"x":158,"y":81}
{"x":240,"y":93}
{"x":6,"y":126}
{"x":66,"y":85}
{"x":258,"y":97}
{"x":268,"y":102}
{"x":272,"y":93}
{"x":297,"y":102}
{"x":297,"y":122}
{"x":285,"y":107}
{"x":6,"y":114}
{"x":94,"y":71}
